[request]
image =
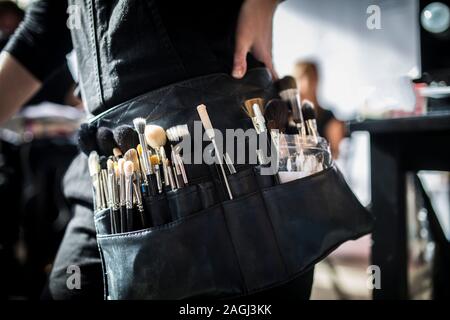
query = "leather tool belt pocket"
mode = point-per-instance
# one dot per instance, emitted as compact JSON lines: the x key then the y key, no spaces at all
{"x":202,"y":244}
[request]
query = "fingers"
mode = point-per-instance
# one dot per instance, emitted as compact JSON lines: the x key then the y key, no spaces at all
{"x":240,"y":60}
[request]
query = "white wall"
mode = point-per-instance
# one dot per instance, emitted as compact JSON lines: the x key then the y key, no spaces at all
{"x":355,"y":62}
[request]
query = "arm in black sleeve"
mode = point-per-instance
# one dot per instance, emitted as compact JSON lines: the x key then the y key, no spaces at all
{"x":42,"y":40}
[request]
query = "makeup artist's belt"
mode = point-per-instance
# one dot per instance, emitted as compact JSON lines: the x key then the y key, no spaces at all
{"x":212,"y":247}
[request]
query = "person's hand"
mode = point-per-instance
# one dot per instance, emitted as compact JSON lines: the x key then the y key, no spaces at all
{"x":254,"y":35}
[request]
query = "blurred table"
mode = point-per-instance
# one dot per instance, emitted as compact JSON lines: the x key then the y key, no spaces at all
{"x":398,"y":146}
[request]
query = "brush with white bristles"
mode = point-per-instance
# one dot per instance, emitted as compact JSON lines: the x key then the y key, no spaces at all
{"x":175,"y":134}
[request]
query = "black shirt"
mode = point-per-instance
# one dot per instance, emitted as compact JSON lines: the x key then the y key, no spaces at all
{"x":128,"y":48}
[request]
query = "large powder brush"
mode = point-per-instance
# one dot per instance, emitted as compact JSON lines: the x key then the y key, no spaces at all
{"x":105,"y":141}
{"x":126,"y":137}
{"x":276,"y":113}
{"x":87,"y":138}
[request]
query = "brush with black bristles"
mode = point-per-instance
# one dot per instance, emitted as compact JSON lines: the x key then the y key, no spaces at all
{"x":105,"y":141}
{"x":287,"y":89}
{"x":276,"y":113}
{"x":126,"y":137}
{"x":87,"y":140}
{"x":310,"y":119}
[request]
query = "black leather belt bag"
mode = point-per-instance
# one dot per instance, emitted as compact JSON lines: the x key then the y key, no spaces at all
{"x":212,"y":247}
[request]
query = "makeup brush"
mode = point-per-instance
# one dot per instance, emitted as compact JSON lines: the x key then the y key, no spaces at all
{"x":287,"y":89}
{"x":168,"y":175}
{"x":254,"y":109}
{"x":177,"y":168}
{"x":117,"y":153}
{"x":206,"y":121}
{"x":129,"y":171}
{"x":132,"y":155}
{"x":152,"y":184}
{"x":105,"y":141}
{"x":251,"y":107}
{"x":156,"y":137}
{"x":126,"y":137}
{"x":94,"y":172}
{"x":113,"y":196}
{"x":154,"y":160}
{"x":140,"y":207}
{"x":140,"y":126}
{"x":310,"y":119}
{"x":87,"y":140}
{"x":122,"y":203}
{"x":104,"y":180}
{"x":276,"y":113}
{"x":175,"y":134}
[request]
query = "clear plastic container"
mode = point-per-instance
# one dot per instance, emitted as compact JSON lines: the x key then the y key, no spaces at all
{"x":300,"y":157}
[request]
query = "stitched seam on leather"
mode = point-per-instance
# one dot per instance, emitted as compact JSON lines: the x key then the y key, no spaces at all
{"x":97,"y":65}
{"x":275,"y":234}
{"x":162,"y":227}
{"x":244,"y":282}
{"x":192,"y":82}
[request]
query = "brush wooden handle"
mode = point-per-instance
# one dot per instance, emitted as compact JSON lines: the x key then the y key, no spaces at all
{"x":204,"y":117}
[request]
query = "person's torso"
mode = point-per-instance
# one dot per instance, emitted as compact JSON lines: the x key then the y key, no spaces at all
{"x":127,"y":47}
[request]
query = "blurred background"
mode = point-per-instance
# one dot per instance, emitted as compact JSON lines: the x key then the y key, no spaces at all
{"x":398,"y":68}
{"x":357,"y":60}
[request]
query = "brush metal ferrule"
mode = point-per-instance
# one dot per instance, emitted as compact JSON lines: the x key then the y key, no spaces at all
{"x":96,"y":191}
{"x":145,"y":154}
{"x":180,"y":165}
{"x":122,"y":189}
{"x":104,"y":188}
{"x":173,"y":186}
{"x":158,"y":178}
{"x":129,"y":192}
{"x":162,"y":153}
{"x":112,"y":194}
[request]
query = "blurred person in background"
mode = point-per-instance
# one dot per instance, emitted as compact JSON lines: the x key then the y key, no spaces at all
{"x":307,"y":75}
